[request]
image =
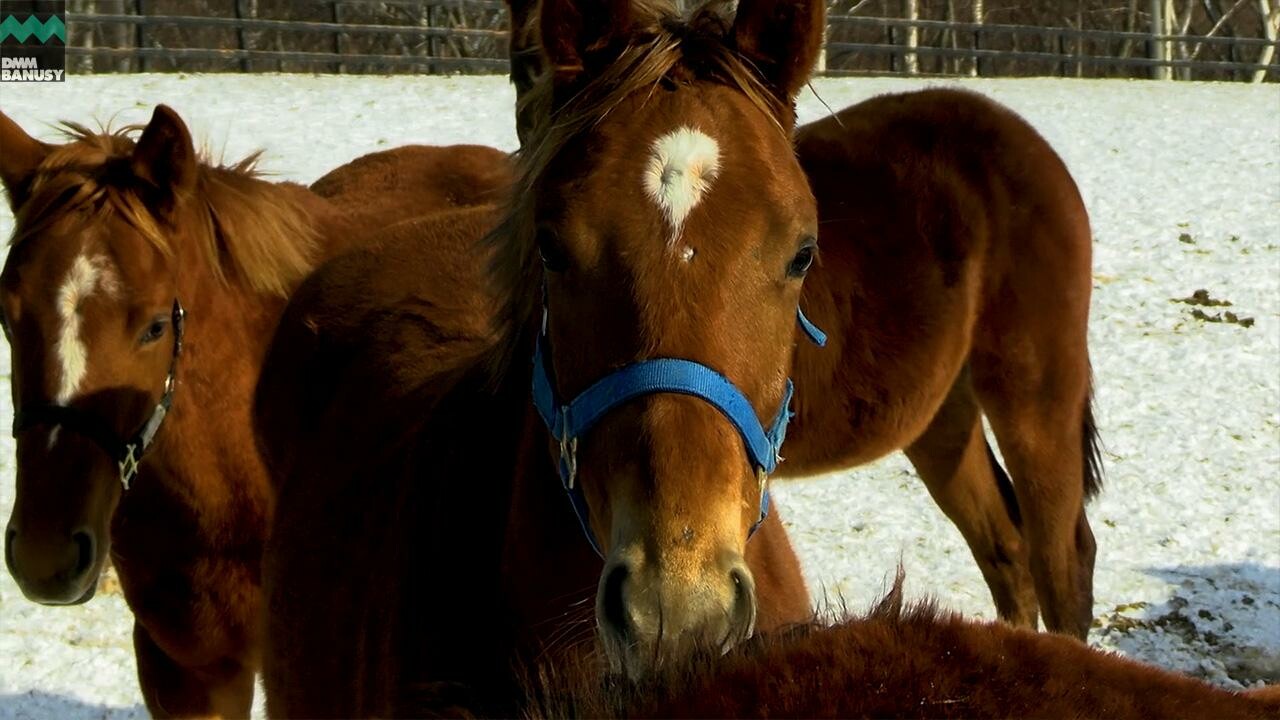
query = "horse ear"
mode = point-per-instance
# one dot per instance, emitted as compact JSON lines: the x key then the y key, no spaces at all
{"x":782,"y":39}
{"x":575,"y":33}
{"x":21,"y":156}
{"x":165,"y":155}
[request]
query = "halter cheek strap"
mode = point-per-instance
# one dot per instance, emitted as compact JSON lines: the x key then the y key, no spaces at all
{"x":569,"y":421}
{"x":127,"y":453}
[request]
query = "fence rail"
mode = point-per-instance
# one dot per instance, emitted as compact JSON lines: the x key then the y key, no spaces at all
{"x":297,"y":26}
{"x":969,"y":53}
{"x":407,"y":62}
{"x":995,"y":29}
{"x":469,"y":36}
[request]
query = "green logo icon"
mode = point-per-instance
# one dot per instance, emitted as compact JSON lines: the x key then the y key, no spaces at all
{"x":53,"y":27}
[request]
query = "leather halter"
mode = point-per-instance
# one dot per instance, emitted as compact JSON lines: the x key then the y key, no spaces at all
{"x":126,"y":453}
{"x":569,"y":421}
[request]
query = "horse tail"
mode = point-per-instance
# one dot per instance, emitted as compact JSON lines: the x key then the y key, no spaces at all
{"x":1091,"y":447}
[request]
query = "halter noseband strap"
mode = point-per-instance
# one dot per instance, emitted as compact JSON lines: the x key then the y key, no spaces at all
{"x":568,"y":422}
{"x":126,"y":453}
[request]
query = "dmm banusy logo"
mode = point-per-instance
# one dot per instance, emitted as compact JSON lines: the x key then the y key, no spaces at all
{"x":33,"y":40}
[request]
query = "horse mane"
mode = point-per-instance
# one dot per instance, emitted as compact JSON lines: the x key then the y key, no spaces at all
{"x":663,"y":48}
{"x":250,"y":231}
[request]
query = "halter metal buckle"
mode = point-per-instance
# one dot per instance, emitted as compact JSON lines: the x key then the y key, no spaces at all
{"x":128,"y":465}
{"x":569,"y":458}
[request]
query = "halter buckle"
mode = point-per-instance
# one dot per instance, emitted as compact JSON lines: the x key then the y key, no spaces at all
{"x":569,"y":459}
{"x":128,"y":465}
{"x":568,"y":450}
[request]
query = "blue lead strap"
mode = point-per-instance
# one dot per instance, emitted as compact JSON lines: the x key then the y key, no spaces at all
{"x":569,"y":422}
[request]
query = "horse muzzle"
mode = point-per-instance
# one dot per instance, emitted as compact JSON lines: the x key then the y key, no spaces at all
{"x":55,"y":569}
{"x":647,"y":617}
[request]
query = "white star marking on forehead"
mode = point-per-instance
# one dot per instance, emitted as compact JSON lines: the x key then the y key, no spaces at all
{"x":682,"y":166}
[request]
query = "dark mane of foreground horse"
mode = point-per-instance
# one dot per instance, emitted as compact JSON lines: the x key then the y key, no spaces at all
{"x":913,"y":661}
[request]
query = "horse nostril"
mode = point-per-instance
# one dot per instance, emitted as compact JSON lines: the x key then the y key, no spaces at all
{"x":613,"y":610}
{"x":84,"y":544}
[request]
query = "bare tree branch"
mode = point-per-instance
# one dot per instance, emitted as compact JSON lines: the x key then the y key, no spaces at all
{"x":1217,"y":26}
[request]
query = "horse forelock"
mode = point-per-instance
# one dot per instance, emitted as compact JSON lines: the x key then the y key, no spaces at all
{"x":663,"y":48}
{"x":247,"y":230}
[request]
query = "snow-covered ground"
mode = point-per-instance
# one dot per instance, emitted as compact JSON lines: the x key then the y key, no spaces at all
{"x":1182,"y":182}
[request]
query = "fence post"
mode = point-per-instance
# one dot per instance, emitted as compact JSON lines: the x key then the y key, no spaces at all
{"x":335,"y":11}
{"x":240,"y":36}
{"x":433,"y":42}
{"x":140,"y":33}
{"x":1062,"y":51}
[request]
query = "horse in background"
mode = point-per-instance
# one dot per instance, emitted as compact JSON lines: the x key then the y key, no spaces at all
{"x":953,"y":279}
{"x":140,"y":289}
{"x":899,"y":662}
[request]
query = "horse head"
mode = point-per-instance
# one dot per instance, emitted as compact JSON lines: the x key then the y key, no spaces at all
{"x":88,"y":295}
{"x":675,"y":228}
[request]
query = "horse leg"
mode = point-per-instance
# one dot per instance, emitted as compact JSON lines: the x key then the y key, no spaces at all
{"x":956,"y":464}
{"x":1041,"y":421}
{"x":171,"y":690}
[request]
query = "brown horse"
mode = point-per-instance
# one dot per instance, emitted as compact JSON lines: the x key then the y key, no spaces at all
{"x":897,"y":662}
{"x":662,"y":215}
{"x":110,"y":236}
{"x":955,"y":281}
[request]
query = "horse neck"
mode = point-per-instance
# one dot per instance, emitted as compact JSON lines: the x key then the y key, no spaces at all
{"x":550,"y":569}
{"x":206,"y":453}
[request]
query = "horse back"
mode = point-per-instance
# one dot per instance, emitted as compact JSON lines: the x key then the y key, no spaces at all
{"x":408,"y":302}
{"x":945,"y":219}
{"x":416,"y":180}
{"x":952,"y":167}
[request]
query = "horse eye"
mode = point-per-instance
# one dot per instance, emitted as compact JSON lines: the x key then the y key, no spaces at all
{"x":803,"y":260}
{"x":549,"y":247}
{"x":154,"y":331}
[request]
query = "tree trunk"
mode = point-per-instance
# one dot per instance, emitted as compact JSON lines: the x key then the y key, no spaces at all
{"x":1159,"y":48}
{"x":1183,"y":26}
{"x":1270,"y":28}
{"x":911,"y":62}
{"x":950,"y":34}
{"x":1130,"y":25}
{"x":979,"y":16}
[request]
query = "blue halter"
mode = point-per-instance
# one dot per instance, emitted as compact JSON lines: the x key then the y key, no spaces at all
{"x":568,"y":422}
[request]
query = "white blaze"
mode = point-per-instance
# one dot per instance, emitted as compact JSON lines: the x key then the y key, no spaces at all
{"x":84,"y":277}
{"x":682,"y":166}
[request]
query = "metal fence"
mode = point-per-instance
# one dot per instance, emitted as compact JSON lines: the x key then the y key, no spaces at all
{"x":880,"y":45}
{"x":322,"y":36}
{"x":469,"y":36}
